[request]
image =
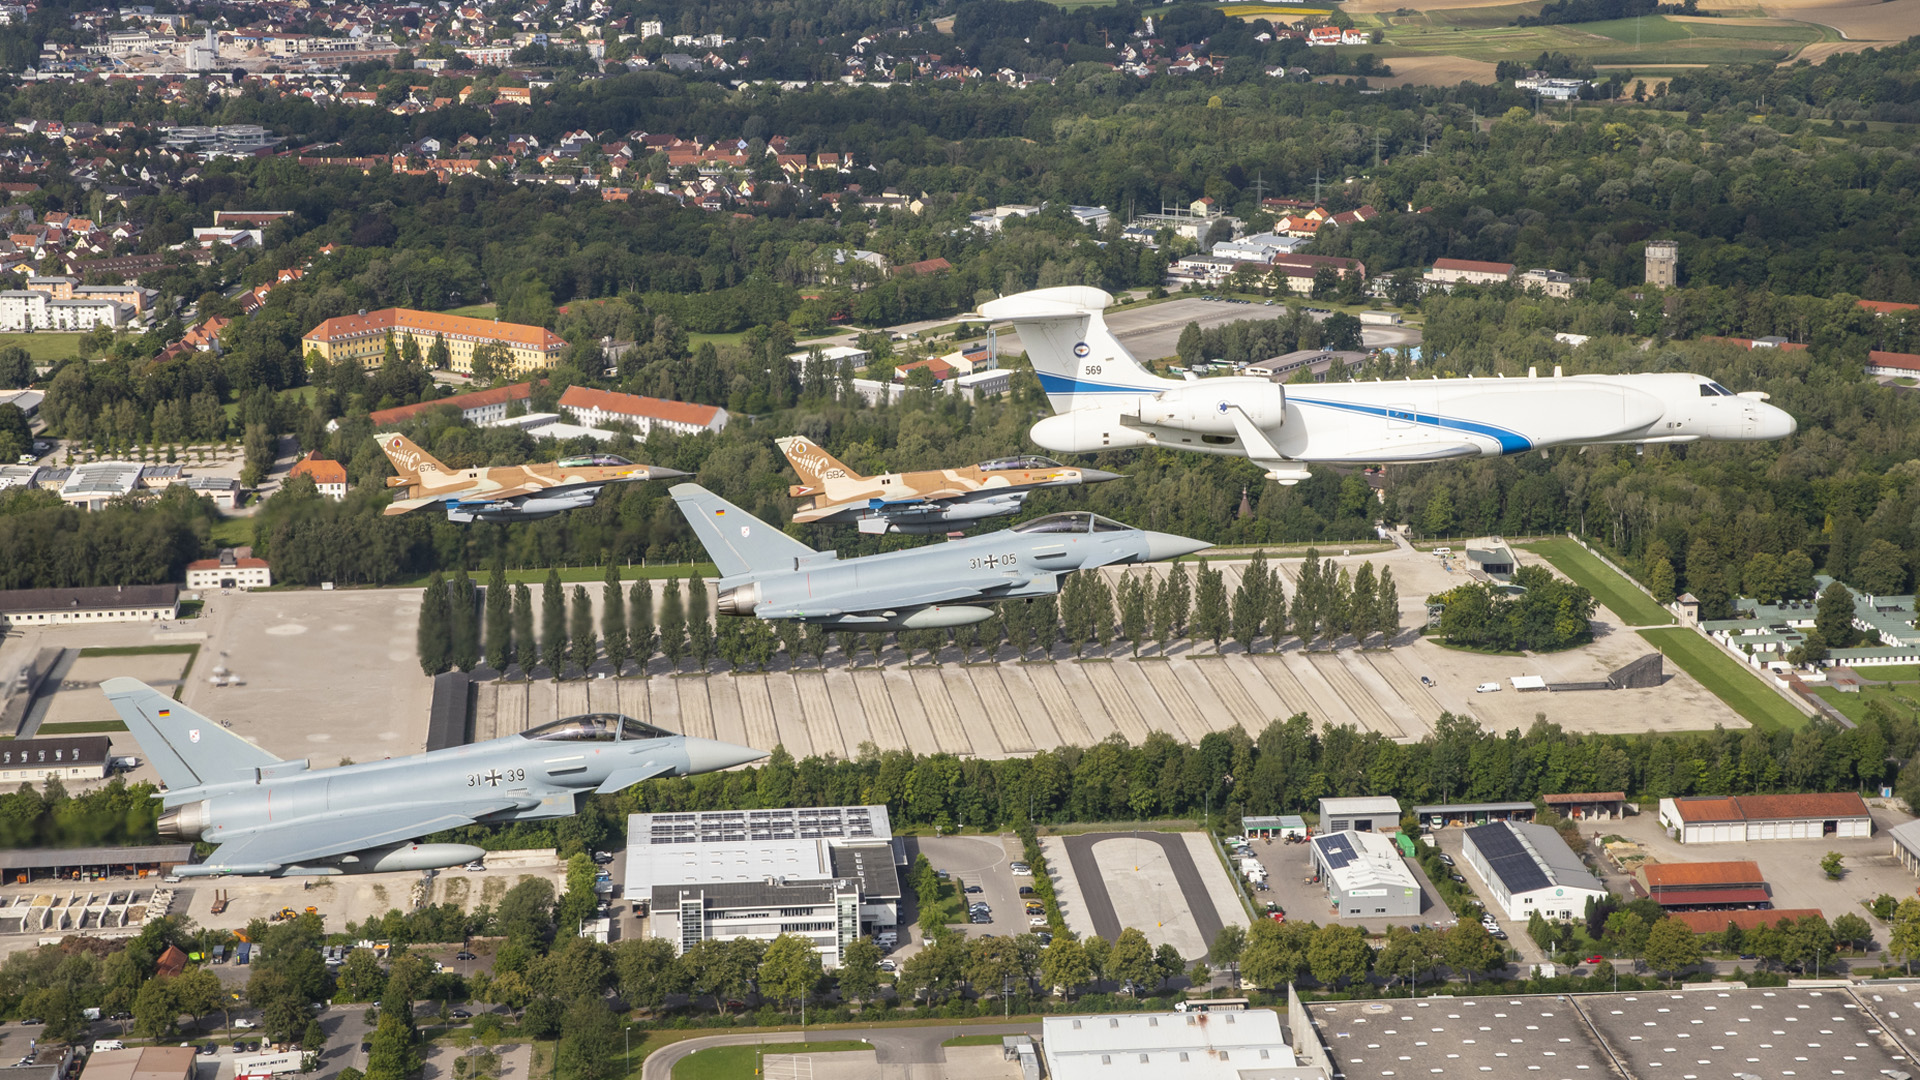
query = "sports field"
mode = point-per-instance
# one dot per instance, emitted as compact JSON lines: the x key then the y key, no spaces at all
{"x":1720,"y":673}
{"x":1618,"y":594}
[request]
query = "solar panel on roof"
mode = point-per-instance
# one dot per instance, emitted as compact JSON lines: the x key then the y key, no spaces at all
{"x":1509,"y":859}
{"x":1338,"y":851}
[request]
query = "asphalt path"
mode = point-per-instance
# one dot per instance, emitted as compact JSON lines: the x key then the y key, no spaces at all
{"x":1086,"y":870}
{"x":902,"y":1045}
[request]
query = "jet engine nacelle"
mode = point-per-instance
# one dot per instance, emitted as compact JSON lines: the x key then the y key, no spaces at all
{"x":185,"y":822}
{"x":1205,"y":406}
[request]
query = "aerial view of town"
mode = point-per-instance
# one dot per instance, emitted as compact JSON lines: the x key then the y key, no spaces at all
{"x":960,"y":540}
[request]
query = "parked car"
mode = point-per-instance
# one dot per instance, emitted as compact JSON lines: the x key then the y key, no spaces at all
{"x":1460,"y":878}
{"x":1497,"y":935}
{"x":974,"y":889}
{"x":1446,"y":859}
{"x":1426,"y":681}
{"x":1487,"y":688}
{"x":1026,"y":890}
{"x":461,"y":1014}
{"x":243,"y":1023}
{"x":888,"y":965}
{"x":464,"y":955}
{"x":1593,"y":959}
{"x":1037,"y":922}
{"x":209,"y":1049}
{"x":476,"y":864}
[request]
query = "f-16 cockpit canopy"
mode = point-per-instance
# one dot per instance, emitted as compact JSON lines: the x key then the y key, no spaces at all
{"x":1073,"y":521}
{"x":1028,"y":461}
{"x":583,"y":461}
{"x":595,"y":727}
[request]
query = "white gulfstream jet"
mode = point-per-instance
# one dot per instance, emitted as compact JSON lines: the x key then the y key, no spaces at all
{"x":1104,"y":400}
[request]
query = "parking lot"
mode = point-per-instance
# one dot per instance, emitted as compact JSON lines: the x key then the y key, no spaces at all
{"x":1677,"y":1035}
{"x":979,"y":861}
{"x":1791,"y":867}
{"x":1289,"y":866}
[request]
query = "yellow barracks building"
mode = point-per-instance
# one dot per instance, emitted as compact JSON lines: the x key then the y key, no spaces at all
{"x":364,"y":338}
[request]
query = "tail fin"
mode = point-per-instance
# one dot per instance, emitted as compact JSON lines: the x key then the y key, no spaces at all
{"x":188,"y":749}
{"x":738,"y":542}
{"x":813,"y":465}
{"x":1077,"y":358}
{"x":408,"y":460}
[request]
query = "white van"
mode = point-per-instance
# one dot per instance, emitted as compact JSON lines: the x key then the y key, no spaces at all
{"x":886,"y":939}
{"x":108,"y":1044}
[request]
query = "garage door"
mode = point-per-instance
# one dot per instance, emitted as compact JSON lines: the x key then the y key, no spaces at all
{"x":1766,"y":830}
{"x":1723,"y":834}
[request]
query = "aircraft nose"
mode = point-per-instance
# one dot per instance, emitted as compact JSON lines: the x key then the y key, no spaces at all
{"x":1099,"y":476}
{"x":1776,"y":423}
{"x":711,"y":755}
{"x":1162,"y":546}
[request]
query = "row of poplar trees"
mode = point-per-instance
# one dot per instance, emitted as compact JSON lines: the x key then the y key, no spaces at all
{"x":458,"y":628}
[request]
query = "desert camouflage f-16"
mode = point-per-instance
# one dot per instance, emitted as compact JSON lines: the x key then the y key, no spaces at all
{"x":506,"y":492}
{"x":933,"y":501}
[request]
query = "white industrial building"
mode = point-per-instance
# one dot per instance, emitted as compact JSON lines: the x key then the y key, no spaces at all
{"x":94,"y":484}
{"x":1528,"y":868}
{"x":1716,"y":819}
{"x":1364,"y":875}
{"x":833,"y":355}
{"x":233,"y":569}
{"x":829,"y":874}
{"x":1248,"y":1045}
{"x":1367,"y":813}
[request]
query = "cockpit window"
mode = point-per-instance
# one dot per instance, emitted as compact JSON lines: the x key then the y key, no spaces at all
{"x":1031,"y":461}
{"x":588,"y":460}
{"x":1714,"y":389}
{"x":595,"y":727}
{"x":1073,"y":521}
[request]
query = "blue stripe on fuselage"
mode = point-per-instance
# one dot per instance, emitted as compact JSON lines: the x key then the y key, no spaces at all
{"x":1510,"y":441}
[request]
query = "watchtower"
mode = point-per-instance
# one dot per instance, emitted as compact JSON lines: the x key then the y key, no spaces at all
{"x":1663,"y":264}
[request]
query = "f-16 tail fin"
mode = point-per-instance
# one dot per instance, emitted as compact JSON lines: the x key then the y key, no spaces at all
{"x":738,"y":542}
{"x":813,"y":465}
{"x":408,"y":460}
{"x":188,"y":749}
{"x":1078,"y":360}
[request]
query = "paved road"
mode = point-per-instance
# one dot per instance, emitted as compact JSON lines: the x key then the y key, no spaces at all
{"x":891,"y":1045}
{"x":1093,"y":887}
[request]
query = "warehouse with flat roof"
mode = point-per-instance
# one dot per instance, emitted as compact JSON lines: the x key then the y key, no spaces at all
{"x":1364,"y":875}
{"x":827,"y":873}
{"x":1367,"y":813}
{"x":1245,"y":1045}
{"x":1718,"y":819}
{"x":1528,"y":868}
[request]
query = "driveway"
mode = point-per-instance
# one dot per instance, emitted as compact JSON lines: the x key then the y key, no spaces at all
{"x":891,"y":1045}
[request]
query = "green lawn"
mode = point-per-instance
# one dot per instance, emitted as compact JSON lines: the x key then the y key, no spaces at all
{"x":1890,"y":673}
{"x":141,"y":650}
{"x":1905,"y":700}
{"x":1727,"y":678}
{"x":232,"y":532}
{"x":951,"y":904}
{"x":743,"y":1062}
{"x":694,"y":341}
{"x":974,"y":1040}
{"x":1618,"y":594}
{"x":45,"y":348}
{"x":81,"y":727}
{"x":477,"y":311}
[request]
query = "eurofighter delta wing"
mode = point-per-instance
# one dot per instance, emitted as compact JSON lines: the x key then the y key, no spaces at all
{"x":506,"y":492}
{"x":1103,"y":399}
{"x":767,"y":574}
{"x":930,"y":501}
{"x":282,"y":819}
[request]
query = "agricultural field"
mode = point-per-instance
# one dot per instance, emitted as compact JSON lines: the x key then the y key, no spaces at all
{"x":1483,"y":34}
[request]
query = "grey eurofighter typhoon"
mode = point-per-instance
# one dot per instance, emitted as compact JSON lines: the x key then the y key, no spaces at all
{"x":282,"y":819}
{"x":769,"y":575}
